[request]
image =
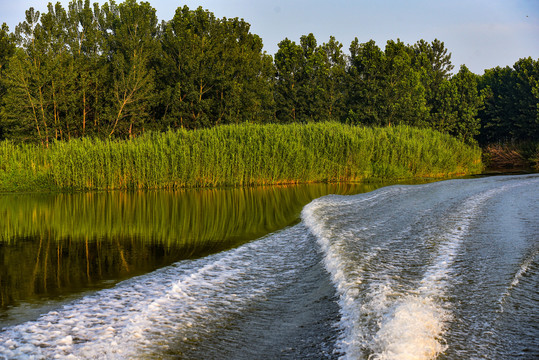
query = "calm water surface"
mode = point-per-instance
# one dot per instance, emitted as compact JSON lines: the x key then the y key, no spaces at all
{"x":447,"y":270}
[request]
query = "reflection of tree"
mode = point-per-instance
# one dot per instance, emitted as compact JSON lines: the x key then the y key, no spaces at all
{"x":87,"y":259}
{"x":36,"y":268}
{"x":48,"y":265}
{"x":52,"y":245}
{"x":125,"y":266}
{"x":58,"y":249}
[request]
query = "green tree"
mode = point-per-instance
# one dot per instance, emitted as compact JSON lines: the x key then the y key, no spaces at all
{"x":383,"y":87}
{"x":497,"y":84}
{"x":131,"y":35}
{"x":309,"y":80}
{"x":311,"y":91}
{"x":334,"y":78}
{"x":469,"y":100}
{"x":404,"y":94}
{"x":185,"y":42}
{"x":433,"y":62}
{"x":365,"y":83}
{"x":25,"y":115}
{"x":43,"y":82}
{"x":444,"y":107}
{"x":526,"y":97}
{"x":213,"y":72}
{"x":288,"y":61}
{"x":59,"y":73}
{"x":7,"y":50}
{"x":246,"y":73}
{"x":88,"y":63}
{"x":511,"y":111}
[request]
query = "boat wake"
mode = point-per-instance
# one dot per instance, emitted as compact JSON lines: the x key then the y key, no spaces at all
{"x":170,"y":311}
{"x":410,"y":267}
{"x":393,"y":270}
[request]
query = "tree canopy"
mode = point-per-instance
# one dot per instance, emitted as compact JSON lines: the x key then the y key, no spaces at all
{"x":511,"y":110}
{"x":114,"y":70}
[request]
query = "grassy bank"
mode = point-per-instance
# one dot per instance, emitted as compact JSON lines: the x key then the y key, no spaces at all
{"x":237,"y":155}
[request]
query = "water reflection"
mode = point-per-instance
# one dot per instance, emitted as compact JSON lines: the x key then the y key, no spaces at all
{"x":55,"y":245}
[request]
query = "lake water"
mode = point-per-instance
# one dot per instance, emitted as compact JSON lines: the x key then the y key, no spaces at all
{"x":446,"y":270}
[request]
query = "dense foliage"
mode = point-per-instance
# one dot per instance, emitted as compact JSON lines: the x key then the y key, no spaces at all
{"x":234,"y":155}
{"x":115,"y":71}
{"x":511,"y":110}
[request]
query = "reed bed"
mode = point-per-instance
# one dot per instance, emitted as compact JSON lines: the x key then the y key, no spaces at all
{"x":237,"y":155}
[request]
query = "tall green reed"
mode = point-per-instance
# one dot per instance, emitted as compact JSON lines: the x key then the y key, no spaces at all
{"x":237,"y":155}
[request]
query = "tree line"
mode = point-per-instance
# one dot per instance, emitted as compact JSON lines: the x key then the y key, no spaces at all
{"x":114,"y":70}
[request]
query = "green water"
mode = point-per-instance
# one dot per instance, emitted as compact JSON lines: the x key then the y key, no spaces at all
{"x":56,"y":246}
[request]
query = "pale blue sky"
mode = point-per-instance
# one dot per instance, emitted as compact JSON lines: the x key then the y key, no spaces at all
{"x":479,"y":33}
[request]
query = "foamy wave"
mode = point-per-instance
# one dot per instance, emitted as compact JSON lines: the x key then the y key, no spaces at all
{"x":527,"y":263}
{"x":411,"y":330}
{"x":382,"y":319}
{"x":143,"y":316}
{"x":348,"y":288}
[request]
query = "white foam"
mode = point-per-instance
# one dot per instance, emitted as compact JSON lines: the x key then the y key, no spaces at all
{"x":348,"y":287}
{"x":527,"y":263}
{"x":411,"y":329}
{"x":140,"y":317}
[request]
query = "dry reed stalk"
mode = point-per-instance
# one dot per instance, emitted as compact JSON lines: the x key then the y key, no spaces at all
{"x":504,"y":157}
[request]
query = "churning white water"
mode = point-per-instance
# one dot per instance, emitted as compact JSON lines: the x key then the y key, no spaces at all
{"x":391,"y":255}
{"x":445,"y":270}
{"x":147,"y":315}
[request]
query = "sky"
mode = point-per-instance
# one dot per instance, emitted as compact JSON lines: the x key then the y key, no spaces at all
{"x":481,"y":34}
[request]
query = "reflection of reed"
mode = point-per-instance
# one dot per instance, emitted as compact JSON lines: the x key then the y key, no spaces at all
{"x":170,"y":217}
{"x":53,"y":244}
